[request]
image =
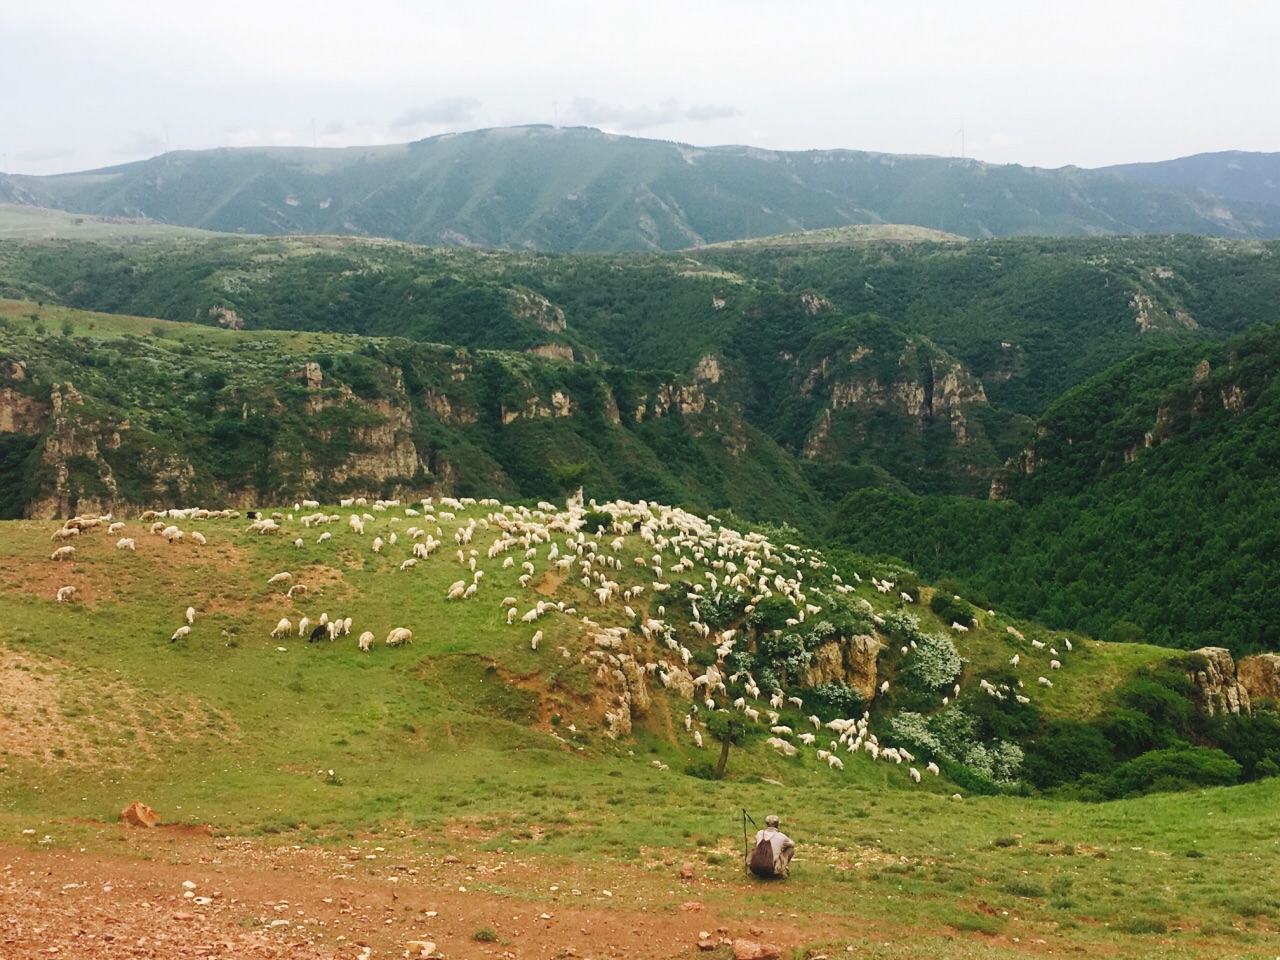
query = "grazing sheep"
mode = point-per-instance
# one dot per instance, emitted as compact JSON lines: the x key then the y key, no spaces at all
{"x":533,"y":644}
{"x":319,"y":631}
{"x":377,"y":544}
{"x":296,"y":590}
{"x":398,"y":636}
{"x":697,"y":738}
{"x":409,"y":564}
{"x":66,"y":594}
{"x":179,"y":634}
{"x":65,"y":533}
{"x":365,"y":643}
{"x":198,"y":537}
{"x":834,"y":762}
{"x":191,"y":614}
{"x":1044,"y":681}
{"x":63,"y":553}
{"x":126,"y":543}
{"x":933,"y":768}
{"x":915,"y":774}
{"x":302,"y":626}
{"x":298,"y":543}
{"x":283,"y":628}
{"x":280,"y":578}
{"x":1055,"y":665}
{"x":324,"y":536}
{"x":115,"y":528}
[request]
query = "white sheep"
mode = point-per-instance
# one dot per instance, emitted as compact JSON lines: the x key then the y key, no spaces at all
{"x":298,"y":543}
{"x":296,"y":590}
{"x":63,"y":553}
{"x":533,"y":644}
{"x":834,"y":762}
{"x":1044,"y":681}
{"x":324,"y":536}
{"x":198,"y":537}
{"x":1055,"y":664}
{"x":697,"y":738}
{"x":366,"y":641}
{"x":66,"y":594}
{"x":283,"y":577}
{"x":377,"y":544}
{"x":915,"y":774}
{"x":409,"y":564}
{"x":398,"y":636}
{"x":283,"y":628}
{"x":933,"y":768}
{"x":115,"y":528}
{"x":302,"y":626}
{"x":126,"y":543}
{"x":179,"y":633}
{"x":191,"y":614}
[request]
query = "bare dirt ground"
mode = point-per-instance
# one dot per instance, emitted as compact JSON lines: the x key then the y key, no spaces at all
{"x":250,"y":898}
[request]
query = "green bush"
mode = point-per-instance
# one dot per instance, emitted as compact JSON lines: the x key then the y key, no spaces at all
{"x":1065,"y":750}
{"x":950,"y":610}
{"x":1178,"y":768}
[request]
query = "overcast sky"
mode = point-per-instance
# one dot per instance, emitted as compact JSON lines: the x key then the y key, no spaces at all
{"x":89,"y":83}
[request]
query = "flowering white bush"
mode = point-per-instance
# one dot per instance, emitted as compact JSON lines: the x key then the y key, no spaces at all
{"x":950,"y":735}
{"x":935,"y":662}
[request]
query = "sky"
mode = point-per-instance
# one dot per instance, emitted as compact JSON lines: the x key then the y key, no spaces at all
{"x":92,"y":83}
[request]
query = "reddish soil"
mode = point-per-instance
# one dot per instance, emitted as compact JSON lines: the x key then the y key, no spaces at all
{"x":255,"y":899}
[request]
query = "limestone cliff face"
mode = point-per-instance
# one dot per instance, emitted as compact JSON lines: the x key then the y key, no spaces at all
{"x":1217,"y":682}
{"x":1260,"y":676}
{"x":71,"y":440}
{"x":929,"y":386}
{"x":851,"y":661}
{"x":20,"y":413}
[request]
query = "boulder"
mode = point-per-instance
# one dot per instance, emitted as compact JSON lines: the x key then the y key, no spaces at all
{"x":138,"y":814}
{"x":1260,"y":675}
{"x":754,"y":950}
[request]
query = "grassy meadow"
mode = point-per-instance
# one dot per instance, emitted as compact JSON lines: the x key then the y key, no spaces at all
{"x":468,"y":727}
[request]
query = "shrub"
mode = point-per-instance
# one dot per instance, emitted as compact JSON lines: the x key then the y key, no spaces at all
{"x":1179,"y":768}
{"x":950,"y":610}
{"x":831,"y":700}
{"x":934,"y":663}
{"x":1064,"y":751}
{"x":485,"y":935}
{"x":596,"y":519}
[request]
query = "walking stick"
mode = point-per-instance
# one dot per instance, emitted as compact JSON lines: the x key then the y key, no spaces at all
{"x":746,"y":849}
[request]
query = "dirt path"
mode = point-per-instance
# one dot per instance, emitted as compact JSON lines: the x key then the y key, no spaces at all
{"x":251,"y":899}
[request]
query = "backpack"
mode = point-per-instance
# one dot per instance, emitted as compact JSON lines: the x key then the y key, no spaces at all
{"x":761,"y":860}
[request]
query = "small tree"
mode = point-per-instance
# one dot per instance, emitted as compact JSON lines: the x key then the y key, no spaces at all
{"x":731,"y":730}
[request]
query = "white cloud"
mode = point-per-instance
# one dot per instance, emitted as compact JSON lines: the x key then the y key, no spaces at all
{"x":447,"y":110}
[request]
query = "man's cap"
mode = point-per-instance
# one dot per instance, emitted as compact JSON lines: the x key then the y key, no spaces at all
{"x":771,"y":820}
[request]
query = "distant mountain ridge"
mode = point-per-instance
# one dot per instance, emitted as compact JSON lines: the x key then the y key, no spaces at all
{"x":1232,"y":174}
{"x":548,"y":188}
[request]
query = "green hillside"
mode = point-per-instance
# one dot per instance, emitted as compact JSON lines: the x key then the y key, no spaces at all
{"x":925,"y":363}
{"x":242,"y":723}
{"x":100,"y":411}
{"x":578,"y":189}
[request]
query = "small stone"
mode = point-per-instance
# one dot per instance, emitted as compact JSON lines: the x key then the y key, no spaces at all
{"x":451,"y":859}
{"x":184,"y":916}
{"x":28,"y":833}
{"x":188,"y":885}
{"x":138,"y":814}
{"x":686,"y":872}
{"x":419,"y":948}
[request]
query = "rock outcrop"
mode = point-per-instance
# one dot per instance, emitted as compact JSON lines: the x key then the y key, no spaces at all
{"x":1217,"y":683}
{"x":138,"y":814}
{"x":850,"y":661}
{"x":1260,"y":676}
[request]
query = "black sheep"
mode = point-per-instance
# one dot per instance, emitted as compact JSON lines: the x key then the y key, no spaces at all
{"x":318,"y":633}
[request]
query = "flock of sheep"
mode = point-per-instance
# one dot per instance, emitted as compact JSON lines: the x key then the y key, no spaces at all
{"x":680,"y":558}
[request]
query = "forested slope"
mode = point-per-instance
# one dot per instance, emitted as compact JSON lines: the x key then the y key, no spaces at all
{"x":1148,"y":507}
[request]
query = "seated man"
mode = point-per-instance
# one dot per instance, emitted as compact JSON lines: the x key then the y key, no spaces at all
{"x":774,"y":849}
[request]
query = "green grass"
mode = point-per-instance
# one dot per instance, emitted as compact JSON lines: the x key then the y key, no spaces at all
{"x":226,"y":729}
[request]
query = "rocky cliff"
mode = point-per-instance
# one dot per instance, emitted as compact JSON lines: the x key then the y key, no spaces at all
{"x":239,"y":422}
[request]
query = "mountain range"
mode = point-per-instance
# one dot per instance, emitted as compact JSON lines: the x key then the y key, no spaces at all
{"x":547,"y":188}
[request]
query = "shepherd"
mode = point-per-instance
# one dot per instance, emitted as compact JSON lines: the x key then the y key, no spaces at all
{"x":773,"y":851}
